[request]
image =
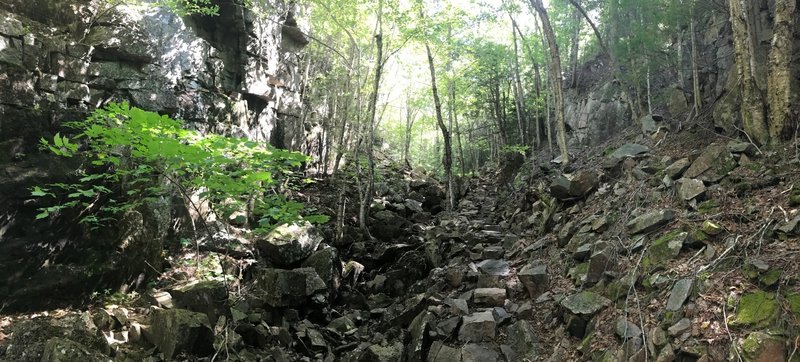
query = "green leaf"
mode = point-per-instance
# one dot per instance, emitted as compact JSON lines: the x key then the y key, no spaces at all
{"x":42,"y":215}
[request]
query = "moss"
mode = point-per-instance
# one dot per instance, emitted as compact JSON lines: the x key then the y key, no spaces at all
{"x":759,"y":309}
{"x":794,"y":197}
{"x":708,"y":206}
{"x":578,"y":272}
{"x":794,"y":305}
{"x":662,"y":250}
{"x":697,"y":235}
{"x":770,"y":278}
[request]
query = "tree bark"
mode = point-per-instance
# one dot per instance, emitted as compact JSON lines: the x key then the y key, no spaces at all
{"x":366,"y":196}
{"x":448,"y":149}
{"x":779,"y":79}
{"x":698,"y":102}
{"x":753,"y":108}
{"x":574,"y":47}
{"x":555,"y":69}
{"x":410,"y":115}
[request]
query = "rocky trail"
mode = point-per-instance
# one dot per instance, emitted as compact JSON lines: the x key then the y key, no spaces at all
{"x":641,"y":252}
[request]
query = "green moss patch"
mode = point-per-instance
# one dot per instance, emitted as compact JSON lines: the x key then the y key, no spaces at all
{"x":759,"y":310}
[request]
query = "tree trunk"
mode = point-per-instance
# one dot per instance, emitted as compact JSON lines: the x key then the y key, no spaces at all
{"x":537,"y":80}
{"x":698,"y":102}
{"x":366,"y":196}
{"x":555,"y":69}
{"x":752,"y":109}
{"x":448,"y":149}
{"x":410,"y":115}
{"x":574,"y":47}
{"x":779,"y":79}
{"x":519,"y":92}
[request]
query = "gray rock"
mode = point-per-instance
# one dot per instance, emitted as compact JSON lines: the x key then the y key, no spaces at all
{"x":493,"y":252}
{"x":677,"y":168}
{"x":501,"y":315}
{"x":477,"y":327}
{"x":476,"y":352}
{"x":457,"y":306}
{"x":63,"y":350}
{"x":174,"y":331}
{"x":490,"y":297}
{"x":342,"y":325}
{"x":629,"y":150}
{"x":679,"y":327}
{"x":535,"y":279}
{"x":600,"y":261}
{"x":574,"y":186}
{"x":680,"y":291}
{"x":649,"y":124}
{"x":742,"y":147}
{"x":585,"y":303}
{"x":792,"y":227}
{"x":289,"y":243}
{"x":625,"y":329}
{"x":207,"y":297}
{"x":494,"y":267}
{"x":689,"y":189}
{"x":419,"y":336}
{"x":712,"y":165}
{"x":328,"y":266}
{"x":284,"y":288}
{"x":522,"y":340}
{"x":413,"y":205}
{"x":387,"y":225}
{"x":650,"y":221}
{"x":378,"y":353}
{"x":441,"y":352}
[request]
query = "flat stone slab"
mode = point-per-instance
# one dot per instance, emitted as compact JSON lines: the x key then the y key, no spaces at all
{"x":650,"y":221}
{"x":585,"y":303}
{"x":679,"y":294}
{"x":494,"y":267}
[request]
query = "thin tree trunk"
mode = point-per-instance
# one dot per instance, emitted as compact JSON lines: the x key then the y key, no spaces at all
{"x":753,"y":108}
{"x":558,"y":92}
{"x":366,"y":197}
{"x":537,"y":79}
{"x":410,"y":115}
{"x":448,"y":149}
{"x":698,"y":102}
{"x":574,"y":47}
{"x":779,"y":79}
{"x":519,"y":92}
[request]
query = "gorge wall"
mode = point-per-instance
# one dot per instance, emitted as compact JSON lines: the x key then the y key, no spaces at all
{"x":235,"y":73}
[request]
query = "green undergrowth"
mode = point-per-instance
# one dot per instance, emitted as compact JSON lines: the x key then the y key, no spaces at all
{"x":131,"y":156}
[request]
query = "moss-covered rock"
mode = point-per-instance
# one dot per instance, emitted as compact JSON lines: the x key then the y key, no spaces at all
{"x":794,"y":196}
{"x":708,"y":206}
{"x":759,"y":346}
{"x":663,"y":249}
{"x":759,"y":310}
{"x":794,"y":305}
{"x":577,"y":272}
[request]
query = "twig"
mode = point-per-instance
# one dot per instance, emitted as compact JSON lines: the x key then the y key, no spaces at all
{"x":749,"y":139}
{"x":794,"y":350}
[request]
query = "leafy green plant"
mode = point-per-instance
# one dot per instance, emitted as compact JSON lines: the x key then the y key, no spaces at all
{"x":132,"y":156}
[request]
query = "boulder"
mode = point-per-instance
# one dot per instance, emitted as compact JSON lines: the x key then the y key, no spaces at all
{"x":679,"y":327}
{"x":664,"y":249}
{"x":289,"y":244}
{"x":762,"y":347}
{"x":284,"y":288}
{"x":494,"y":267}
{"x":387,"y":225}
{"x":535,"y":279}
{"x":477,"y":327}
{"x":680,"y":292}
{"x":328,"y":266}
{"x":650,"y":124}
{"x":574,"y":186}
{"x":490,"y":297}
{"x":758,"y":310}
{"x":677,"y":168}
{"x":207,"y":297}
{"x":478,"y":352}
{"x":28,"y":339}
{"x":64,"y":350}
{"x":792,"y":227}
{"x":522,"y":341}
{"x":626,"y":329}
{"x":600,"y":261}
{"x":175,"y":331}
{"x":629,"y":150}
{"x":689,"y":189}
{"x":650,"y":221}
{"x":441,"y":352}
{"x":585,"y":303}
{"x":415,"y":350}
{"x":746,"y":148}
{"x":378,"y":353}
{"x":712,"y":165}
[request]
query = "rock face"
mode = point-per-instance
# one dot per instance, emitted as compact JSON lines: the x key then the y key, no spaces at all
{"x":234,"y":73}
{"x":288,"y":244}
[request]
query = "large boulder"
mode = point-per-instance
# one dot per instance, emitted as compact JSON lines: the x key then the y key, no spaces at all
{"x":387,"y":225}
{"x":712,"y":165}
{"x":650,"y":221}
{"x":284,"y":288}
{"x":207,"y":297}
{"x":289,"y":244}
{"x":477,"y":327}
{"x":328,"y":266}
{"x":175,"y":331}
{"x":574,"y":186}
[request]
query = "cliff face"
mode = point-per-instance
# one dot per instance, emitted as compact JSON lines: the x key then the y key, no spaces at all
{"x":597,"y":108}
{"x":236,"y":73}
